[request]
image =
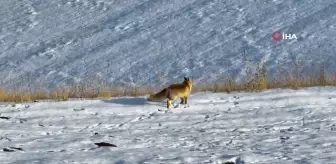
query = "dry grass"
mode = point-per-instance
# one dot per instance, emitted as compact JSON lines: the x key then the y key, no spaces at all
{"x":73,"y":91}
{"x":257,"y":82}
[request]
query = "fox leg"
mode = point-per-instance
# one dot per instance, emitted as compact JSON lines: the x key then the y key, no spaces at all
{"x":185,"y":100}
{"x":182,"y":100}
{"x":169,"y":103}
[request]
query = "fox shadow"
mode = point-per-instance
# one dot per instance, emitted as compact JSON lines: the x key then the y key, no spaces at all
{"x":136,"y":101}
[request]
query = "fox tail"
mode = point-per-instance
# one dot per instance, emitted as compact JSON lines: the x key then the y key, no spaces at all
{"x":162,"y":95}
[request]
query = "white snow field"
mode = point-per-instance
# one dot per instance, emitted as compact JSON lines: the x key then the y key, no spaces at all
{"x":155,"y":41}
{"x":270,"y":127}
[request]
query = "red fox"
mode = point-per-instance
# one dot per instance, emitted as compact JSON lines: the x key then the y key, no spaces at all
{"x":172,"y":92}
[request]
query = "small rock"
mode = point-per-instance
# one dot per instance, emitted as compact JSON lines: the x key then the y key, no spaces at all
{"x":22,"y":120}
{"x":290,"y":129}
{"x":7,"y":150}
{"x":284,"y":137}
{"x":201,"y":130}
{"x":228,"y":143}
{"x":75,"y":109}
{"x":5,"y":118}
{"x":207,"y":116}
{"x":16,"y":148}
{"x":228,"y":163}
{"x":104,"y":144}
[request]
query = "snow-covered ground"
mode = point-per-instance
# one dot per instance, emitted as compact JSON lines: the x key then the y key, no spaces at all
{"x":50,"y":42}
{"x":270,"y":127}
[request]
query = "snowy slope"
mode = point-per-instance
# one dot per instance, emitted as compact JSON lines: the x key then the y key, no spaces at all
{"x":271,"y":127}
{"x":151,"y":41}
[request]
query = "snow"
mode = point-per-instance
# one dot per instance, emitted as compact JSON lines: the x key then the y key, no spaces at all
{"x":275,"y":126}
{"x":158,"y":41}
{"x":50,"y":43}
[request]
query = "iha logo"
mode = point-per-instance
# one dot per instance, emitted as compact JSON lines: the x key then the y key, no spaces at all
{"x":277,"y":36}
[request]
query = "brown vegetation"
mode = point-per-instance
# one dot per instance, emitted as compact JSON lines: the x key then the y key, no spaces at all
{"x":254,"y":82}
{"x":258,"y":82}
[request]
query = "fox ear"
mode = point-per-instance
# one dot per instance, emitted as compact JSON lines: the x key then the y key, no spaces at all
{"x":185,"y":78}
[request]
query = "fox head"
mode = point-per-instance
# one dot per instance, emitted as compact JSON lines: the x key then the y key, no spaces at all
{"x":188,"y":82}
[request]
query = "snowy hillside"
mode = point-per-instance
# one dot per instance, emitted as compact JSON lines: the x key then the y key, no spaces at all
{"x":147,"y":41}
{"x":271,"y":127}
